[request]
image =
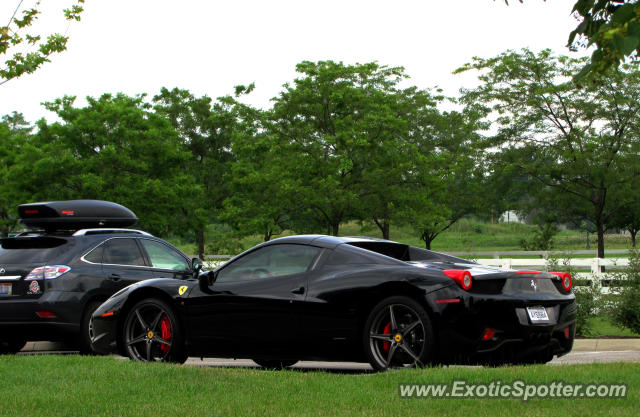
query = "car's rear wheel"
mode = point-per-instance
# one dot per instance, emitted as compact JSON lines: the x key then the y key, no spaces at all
{"x":151,"y":332}
{"x":398,"y":334}
{"x":274,"y":364}
{"x":11,"y":346}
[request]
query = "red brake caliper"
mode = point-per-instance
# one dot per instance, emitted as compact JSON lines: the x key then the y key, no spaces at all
{"x":387,"y":330}
{"x":165,"y":329}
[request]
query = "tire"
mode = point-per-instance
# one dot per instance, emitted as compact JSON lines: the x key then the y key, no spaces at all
{"x":274,"y":364}
{"x":152,"y":332}
{"x":86,"y":329}
{"x":11,"y":346}
{"x":398,"y":334}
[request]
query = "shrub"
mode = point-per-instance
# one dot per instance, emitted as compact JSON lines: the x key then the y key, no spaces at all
{"x":542,"y":238}
{"x":587,"y":292}
{"x":626,"y":306}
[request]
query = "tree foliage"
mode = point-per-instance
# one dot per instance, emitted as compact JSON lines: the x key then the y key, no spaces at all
{"x":25,"y":50}
{"x":206,"y":130}
{"x":112,"y":149}
{"x":578,"y":143}
{"x":612,"y":26}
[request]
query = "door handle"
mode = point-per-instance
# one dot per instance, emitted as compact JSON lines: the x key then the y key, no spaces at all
{"x":115,"y":277}
{"x":299,"y":290}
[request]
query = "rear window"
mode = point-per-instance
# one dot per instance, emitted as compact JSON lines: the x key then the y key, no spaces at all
{"x":348,"y":255}
{"x":32,"y":250}
{"x":392,"y":250}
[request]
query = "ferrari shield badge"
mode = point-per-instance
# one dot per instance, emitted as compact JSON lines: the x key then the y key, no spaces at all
{"x":182,"y":290}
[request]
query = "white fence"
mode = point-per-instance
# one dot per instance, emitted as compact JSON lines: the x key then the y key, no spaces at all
{"x":599,"y":269}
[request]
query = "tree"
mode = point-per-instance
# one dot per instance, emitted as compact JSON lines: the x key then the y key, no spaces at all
{"x":448,"y":180}
{"x":28,"y":51}
{"x":613,"y":26}
{"x":263,"y":196}
{"x":628,"y":217}
{"x":14,"y":133}
{"x":577,"y":142}
{"x":114,"y":149}
{"x":206,"y":130}
{"x":328,"y":126}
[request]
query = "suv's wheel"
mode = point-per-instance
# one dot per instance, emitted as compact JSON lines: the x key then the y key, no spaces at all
{"x":86,"y":329}
{"x":11,"y":346}
{"x":274,"y":364}
{"x":398,"y":334}
{"x":151,"y":332}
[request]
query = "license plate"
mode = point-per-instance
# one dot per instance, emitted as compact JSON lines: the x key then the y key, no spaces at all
{"x":5,"y":289}
{"x":537,"y":314}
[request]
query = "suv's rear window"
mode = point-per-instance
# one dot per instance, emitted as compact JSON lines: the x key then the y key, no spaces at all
{"x":32,"y":249}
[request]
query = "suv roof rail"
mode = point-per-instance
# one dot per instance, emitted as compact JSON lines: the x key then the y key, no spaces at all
{"x":84,"y":232}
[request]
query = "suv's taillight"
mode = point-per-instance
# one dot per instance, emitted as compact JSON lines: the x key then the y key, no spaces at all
{"x":48,"y":272}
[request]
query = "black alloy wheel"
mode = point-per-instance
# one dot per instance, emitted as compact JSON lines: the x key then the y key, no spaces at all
{"x":151,"y":332}
{"x":398,"y":334}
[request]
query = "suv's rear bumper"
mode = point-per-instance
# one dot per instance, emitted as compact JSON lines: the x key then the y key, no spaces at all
{"x":19,"y":318}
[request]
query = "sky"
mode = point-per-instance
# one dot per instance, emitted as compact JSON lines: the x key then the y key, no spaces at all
{"x":210,"y":46}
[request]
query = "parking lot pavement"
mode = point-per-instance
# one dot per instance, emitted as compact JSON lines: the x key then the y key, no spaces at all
{"x":584,"y":351}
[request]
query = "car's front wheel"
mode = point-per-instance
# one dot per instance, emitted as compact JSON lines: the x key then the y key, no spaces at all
{"x":398,"y":334}
{"x":151,"y":332}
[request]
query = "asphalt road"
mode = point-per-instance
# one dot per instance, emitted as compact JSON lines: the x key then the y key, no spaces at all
{"x":585,"y":351}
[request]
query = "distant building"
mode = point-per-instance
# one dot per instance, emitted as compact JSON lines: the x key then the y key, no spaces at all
{"x":510,"y":217}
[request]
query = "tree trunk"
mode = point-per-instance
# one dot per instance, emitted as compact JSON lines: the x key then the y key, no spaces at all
{"x":385,"y":230}
{"x":335,"y":226}
{"x":267,"y":234}
{"x":200,"y":242}
{"x":384,"y":227}
{"x":427,"y":238}
{"x":633,"y":233}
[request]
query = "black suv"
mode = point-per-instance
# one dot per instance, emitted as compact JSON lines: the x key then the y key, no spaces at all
{"x":53,"y":278}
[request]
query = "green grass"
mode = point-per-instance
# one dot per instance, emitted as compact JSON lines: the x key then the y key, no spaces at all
{"x":602,"y":326}
{"x":106,"y":386}
{"x":467,"y":235}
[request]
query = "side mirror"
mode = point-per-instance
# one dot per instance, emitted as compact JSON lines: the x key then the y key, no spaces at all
{"x":205,"y":280}
{"x":196,"y":265}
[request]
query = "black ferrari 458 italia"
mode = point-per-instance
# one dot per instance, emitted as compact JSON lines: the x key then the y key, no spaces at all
{"x":343,"y":299}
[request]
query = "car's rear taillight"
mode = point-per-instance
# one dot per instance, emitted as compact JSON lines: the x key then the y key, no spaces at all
{"x":565,"y":278}
{"x":48,"y":272}
{"x":461,"y":276}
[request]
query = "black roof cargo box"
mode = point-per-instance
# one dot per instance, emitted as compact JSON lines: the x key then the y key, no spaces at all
{"x":75,"y":215}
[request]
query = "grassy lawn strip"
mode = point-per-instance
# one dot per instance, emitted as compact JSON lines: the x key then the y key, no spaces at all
{"x":602,"y":326}
{"x":106,"y":386}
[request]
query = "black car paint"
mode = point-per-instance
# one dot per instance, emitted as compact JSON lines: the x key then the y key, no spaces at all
{"x":324,"y":321}
{"x":67,"y":296}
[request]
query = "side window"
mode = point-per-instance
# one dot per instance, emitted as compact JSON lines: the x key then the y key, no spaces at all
{"x":122,"y":251}
{"x":270,"y":261}
{"x":164,"y":257}
{"x":95,"y":256}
